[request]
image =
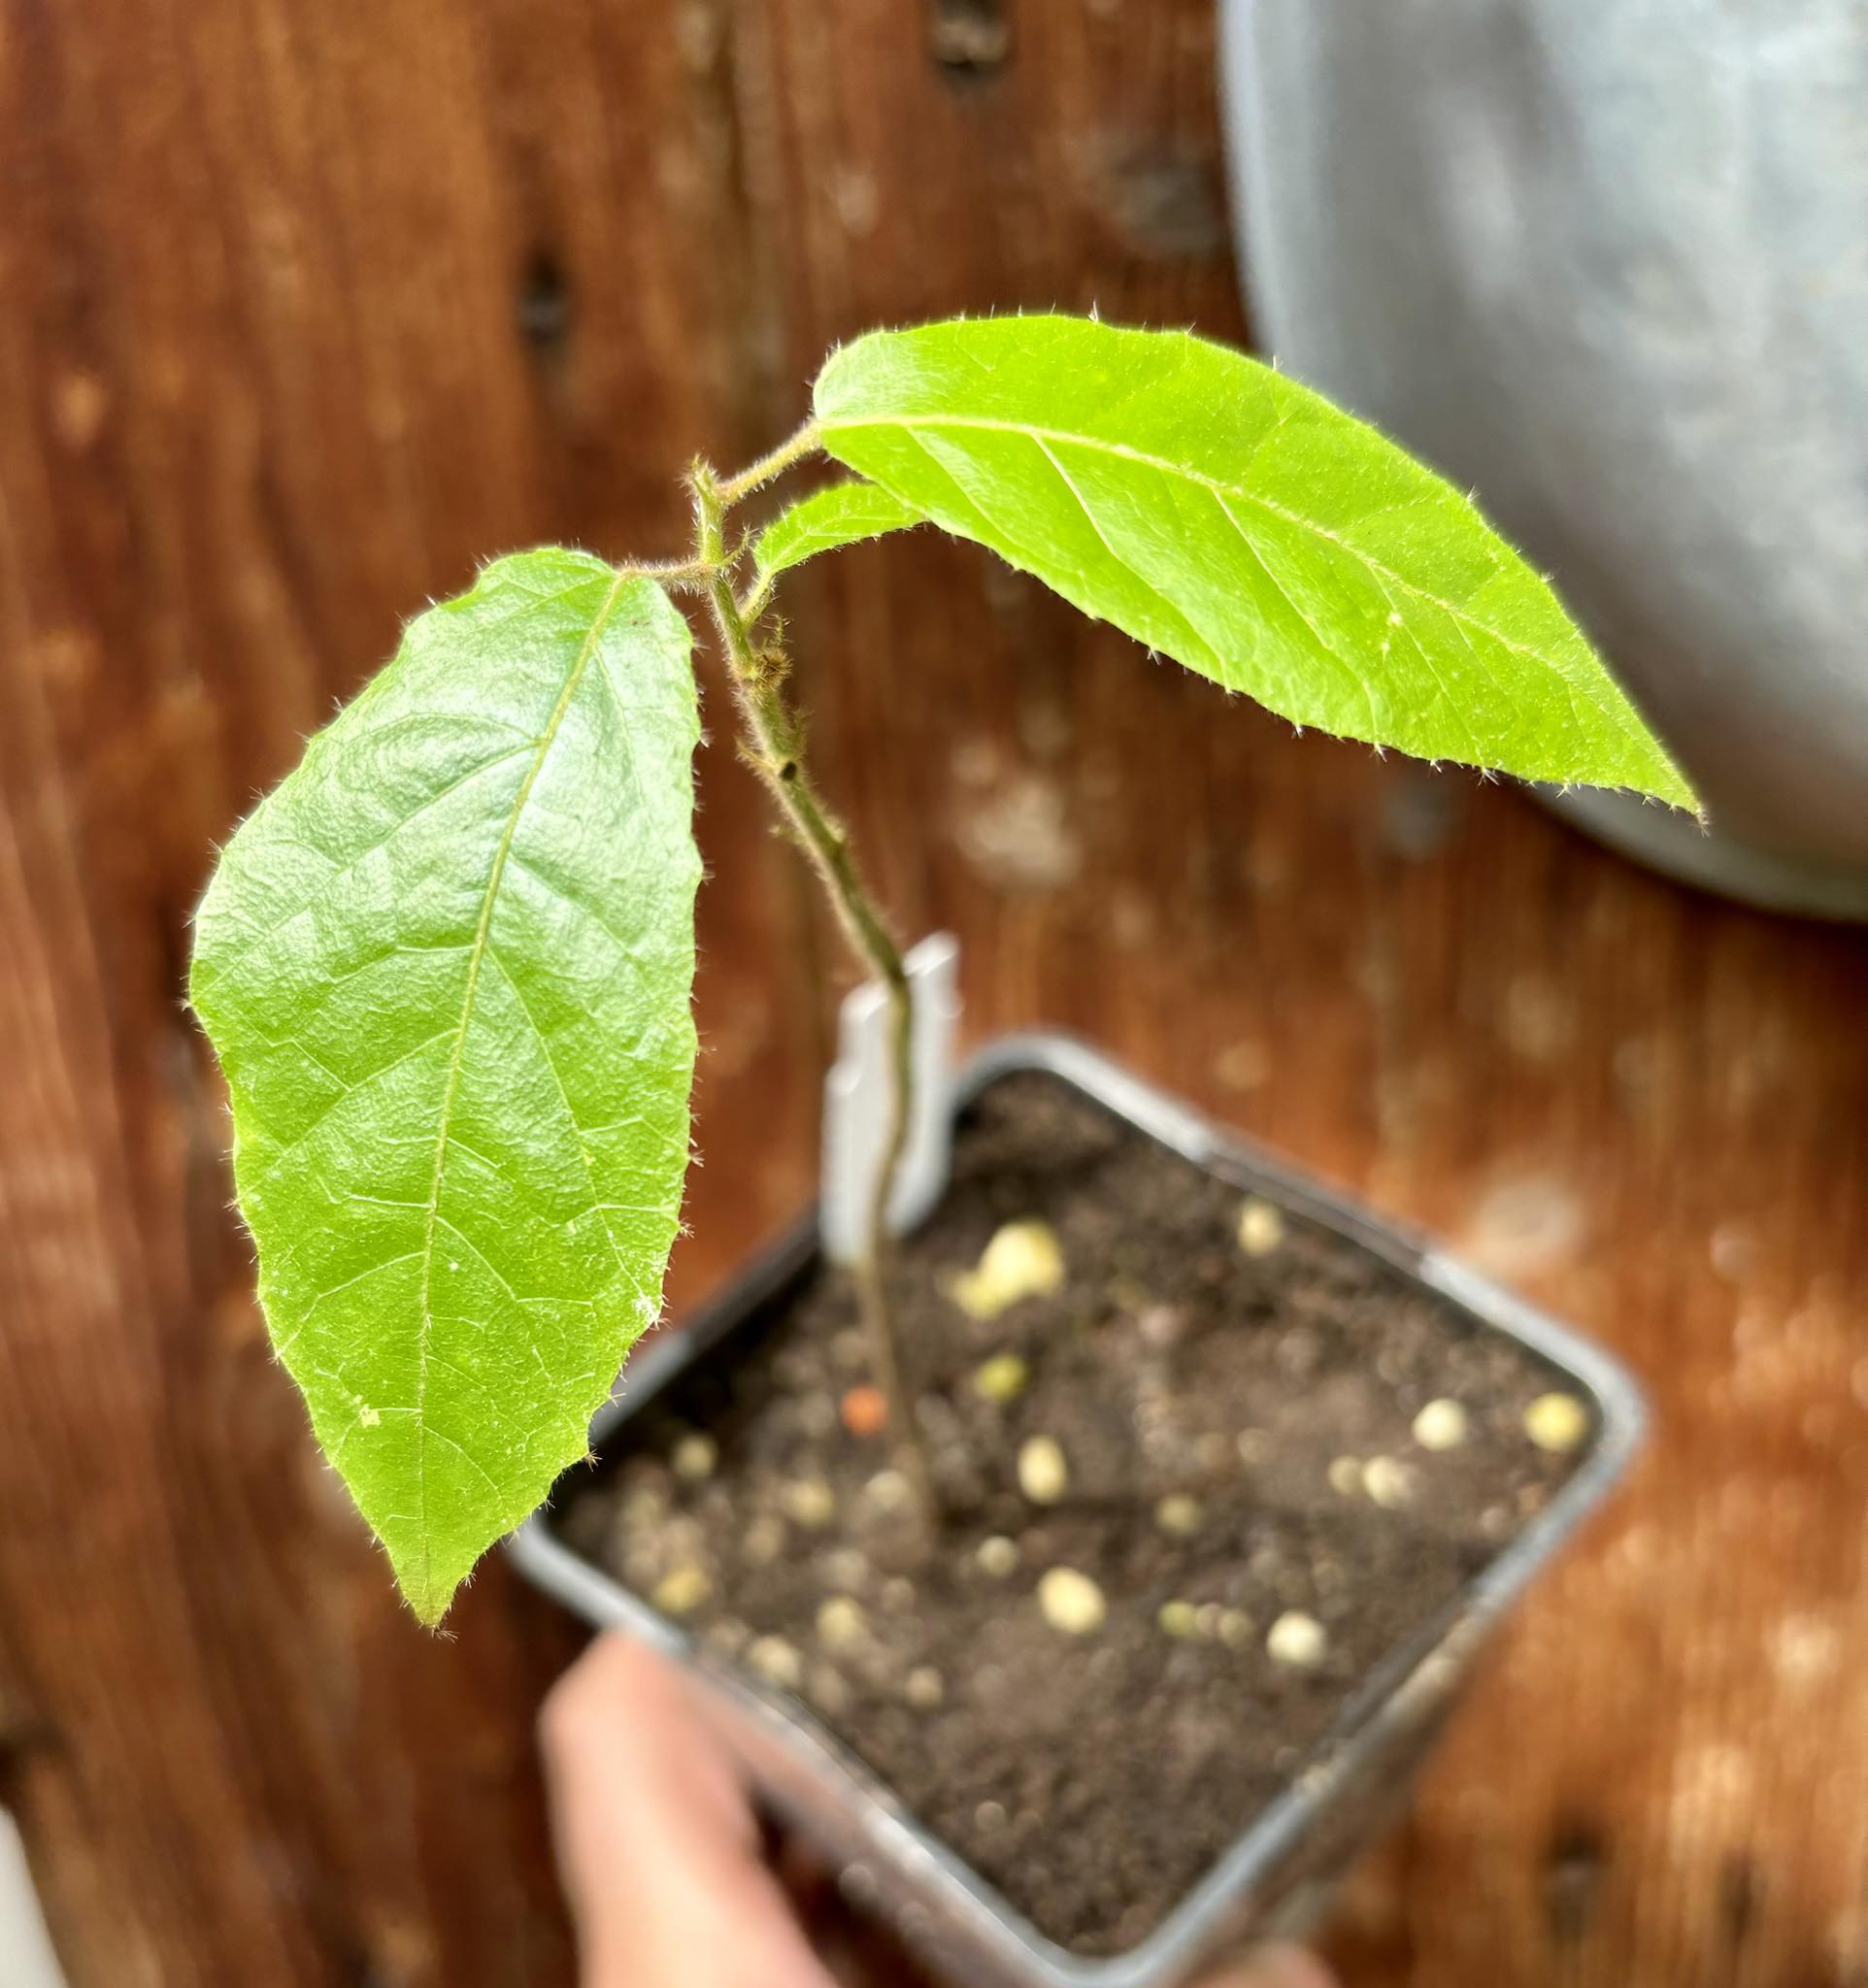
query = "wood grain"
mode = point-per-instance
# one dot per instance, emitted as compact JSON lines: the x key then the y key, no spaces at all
{"x":305,"y":310}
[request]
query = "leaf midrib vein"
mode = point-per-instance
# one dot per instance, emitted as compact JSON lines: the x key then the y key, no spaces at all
{"x":210,"y":975}
{"x":451,"y":1089}
{"x":1043,"y":434}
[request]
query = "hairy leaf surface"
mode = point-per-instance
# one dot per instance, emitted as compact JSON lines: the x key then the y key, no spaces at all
{"x":447,"y":968}
{"x":1222,"y":513}
{"x":844,"y":514}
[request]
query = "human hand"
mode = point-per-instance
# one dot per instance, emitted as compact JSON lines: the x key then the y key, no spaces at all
{"x":660,"y":1852}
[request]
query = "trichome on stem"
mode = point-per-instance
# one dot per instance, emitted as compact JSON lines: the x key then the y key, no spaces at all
{"x":772,"y":742}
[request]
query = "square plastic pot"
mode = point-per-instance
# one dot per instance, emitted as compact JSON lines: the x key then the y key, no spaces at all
{"x":1277,"y":1876}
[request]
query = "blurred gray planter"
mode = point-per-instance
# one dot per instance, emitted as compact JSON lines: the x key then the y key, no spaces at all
{"x":1606,"y":261}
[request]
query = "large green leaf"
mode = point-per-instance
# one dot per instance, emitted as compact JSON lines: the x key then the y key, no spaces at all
{"x":1224,"y":514}
{"x":447,"y":968}
{"x":844,"y":514}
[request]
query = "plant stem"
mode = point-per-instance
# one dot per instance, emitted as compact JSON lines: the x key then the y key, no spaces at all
{"x":771,"y":744}
{"x":733,"y":488}
{"x":681,"y":574}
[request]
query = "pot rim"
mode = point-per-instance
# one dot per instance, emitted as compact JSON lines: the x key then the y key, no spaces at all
{"x":1425,"y":1664}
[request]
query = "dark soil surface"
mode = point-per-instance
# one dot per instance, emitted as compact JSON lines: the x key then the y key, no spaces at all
{"x":1263,"y":1376}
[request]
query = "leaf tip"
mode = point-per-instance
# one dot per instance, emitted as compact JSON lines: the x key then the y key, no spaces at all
{"x":428,"y":1599}
{"x":1665,"y":782}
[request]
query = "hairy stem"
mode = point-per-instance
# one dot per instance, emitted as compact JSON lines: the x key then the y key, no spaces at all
{"x":771,"y":744}
{"x":804,"y":443}
{"x":680,"y":575}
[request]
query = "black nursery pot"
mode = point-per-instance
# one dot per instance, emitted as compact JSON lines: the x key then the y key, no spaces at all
{"x":1352,"y":1768}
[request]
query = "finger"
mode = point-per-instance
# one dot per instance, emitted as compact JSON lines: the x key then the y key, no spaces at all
{"x":658,"y":1844}
{"x":1275,"y":1967}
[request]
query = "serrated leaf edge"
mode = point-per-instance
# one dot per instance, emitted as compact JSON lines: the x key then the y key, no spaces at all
{"x":1042,"y":437}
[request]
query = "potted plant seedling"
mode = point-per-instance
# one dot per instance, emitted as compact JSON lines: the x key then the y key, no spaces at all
{"x":1081,"y":1566}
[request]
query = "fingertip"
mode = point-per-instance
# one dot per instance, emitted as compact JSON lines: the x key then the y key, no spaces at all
{"x":658,"y":1844}
{"x":1275,"y":1967}
{"x":614,"y":1675}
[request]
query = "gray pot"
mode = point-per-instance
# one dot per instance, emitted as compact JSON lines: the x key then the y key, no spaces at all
{"x":1607,"y":262}
{"x":1279,"y":1875}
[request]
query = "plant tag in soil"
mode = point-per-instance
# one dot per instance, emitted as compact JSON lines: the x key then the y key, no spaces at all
{"x":855,"y":1101}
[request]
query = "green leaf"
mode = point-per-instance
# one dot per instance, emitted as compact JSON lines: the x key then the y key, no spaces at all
{"x":1220,"y":512}
{"x":447,"y":966}
{"x":844,"y":514}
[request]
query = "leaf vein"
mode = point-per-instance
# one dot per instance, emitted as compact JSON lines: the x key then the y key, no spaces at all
{"x":274,"y":1161}
{"x":908,"y":425}
{"x":214,"y":976}
{"x":1316,"y":633}
{"x":1175,"y":613}
{"x":451,"y":1088}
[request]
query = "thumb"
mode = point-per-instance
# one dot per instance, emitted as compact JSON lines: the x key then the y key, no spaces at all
{"x":1274,"y":1966}
{"x":655,"y":1838}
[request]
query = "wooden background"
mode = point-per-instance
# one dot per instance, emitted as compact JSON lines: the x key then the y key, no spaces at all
{"x":304,"y":308}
